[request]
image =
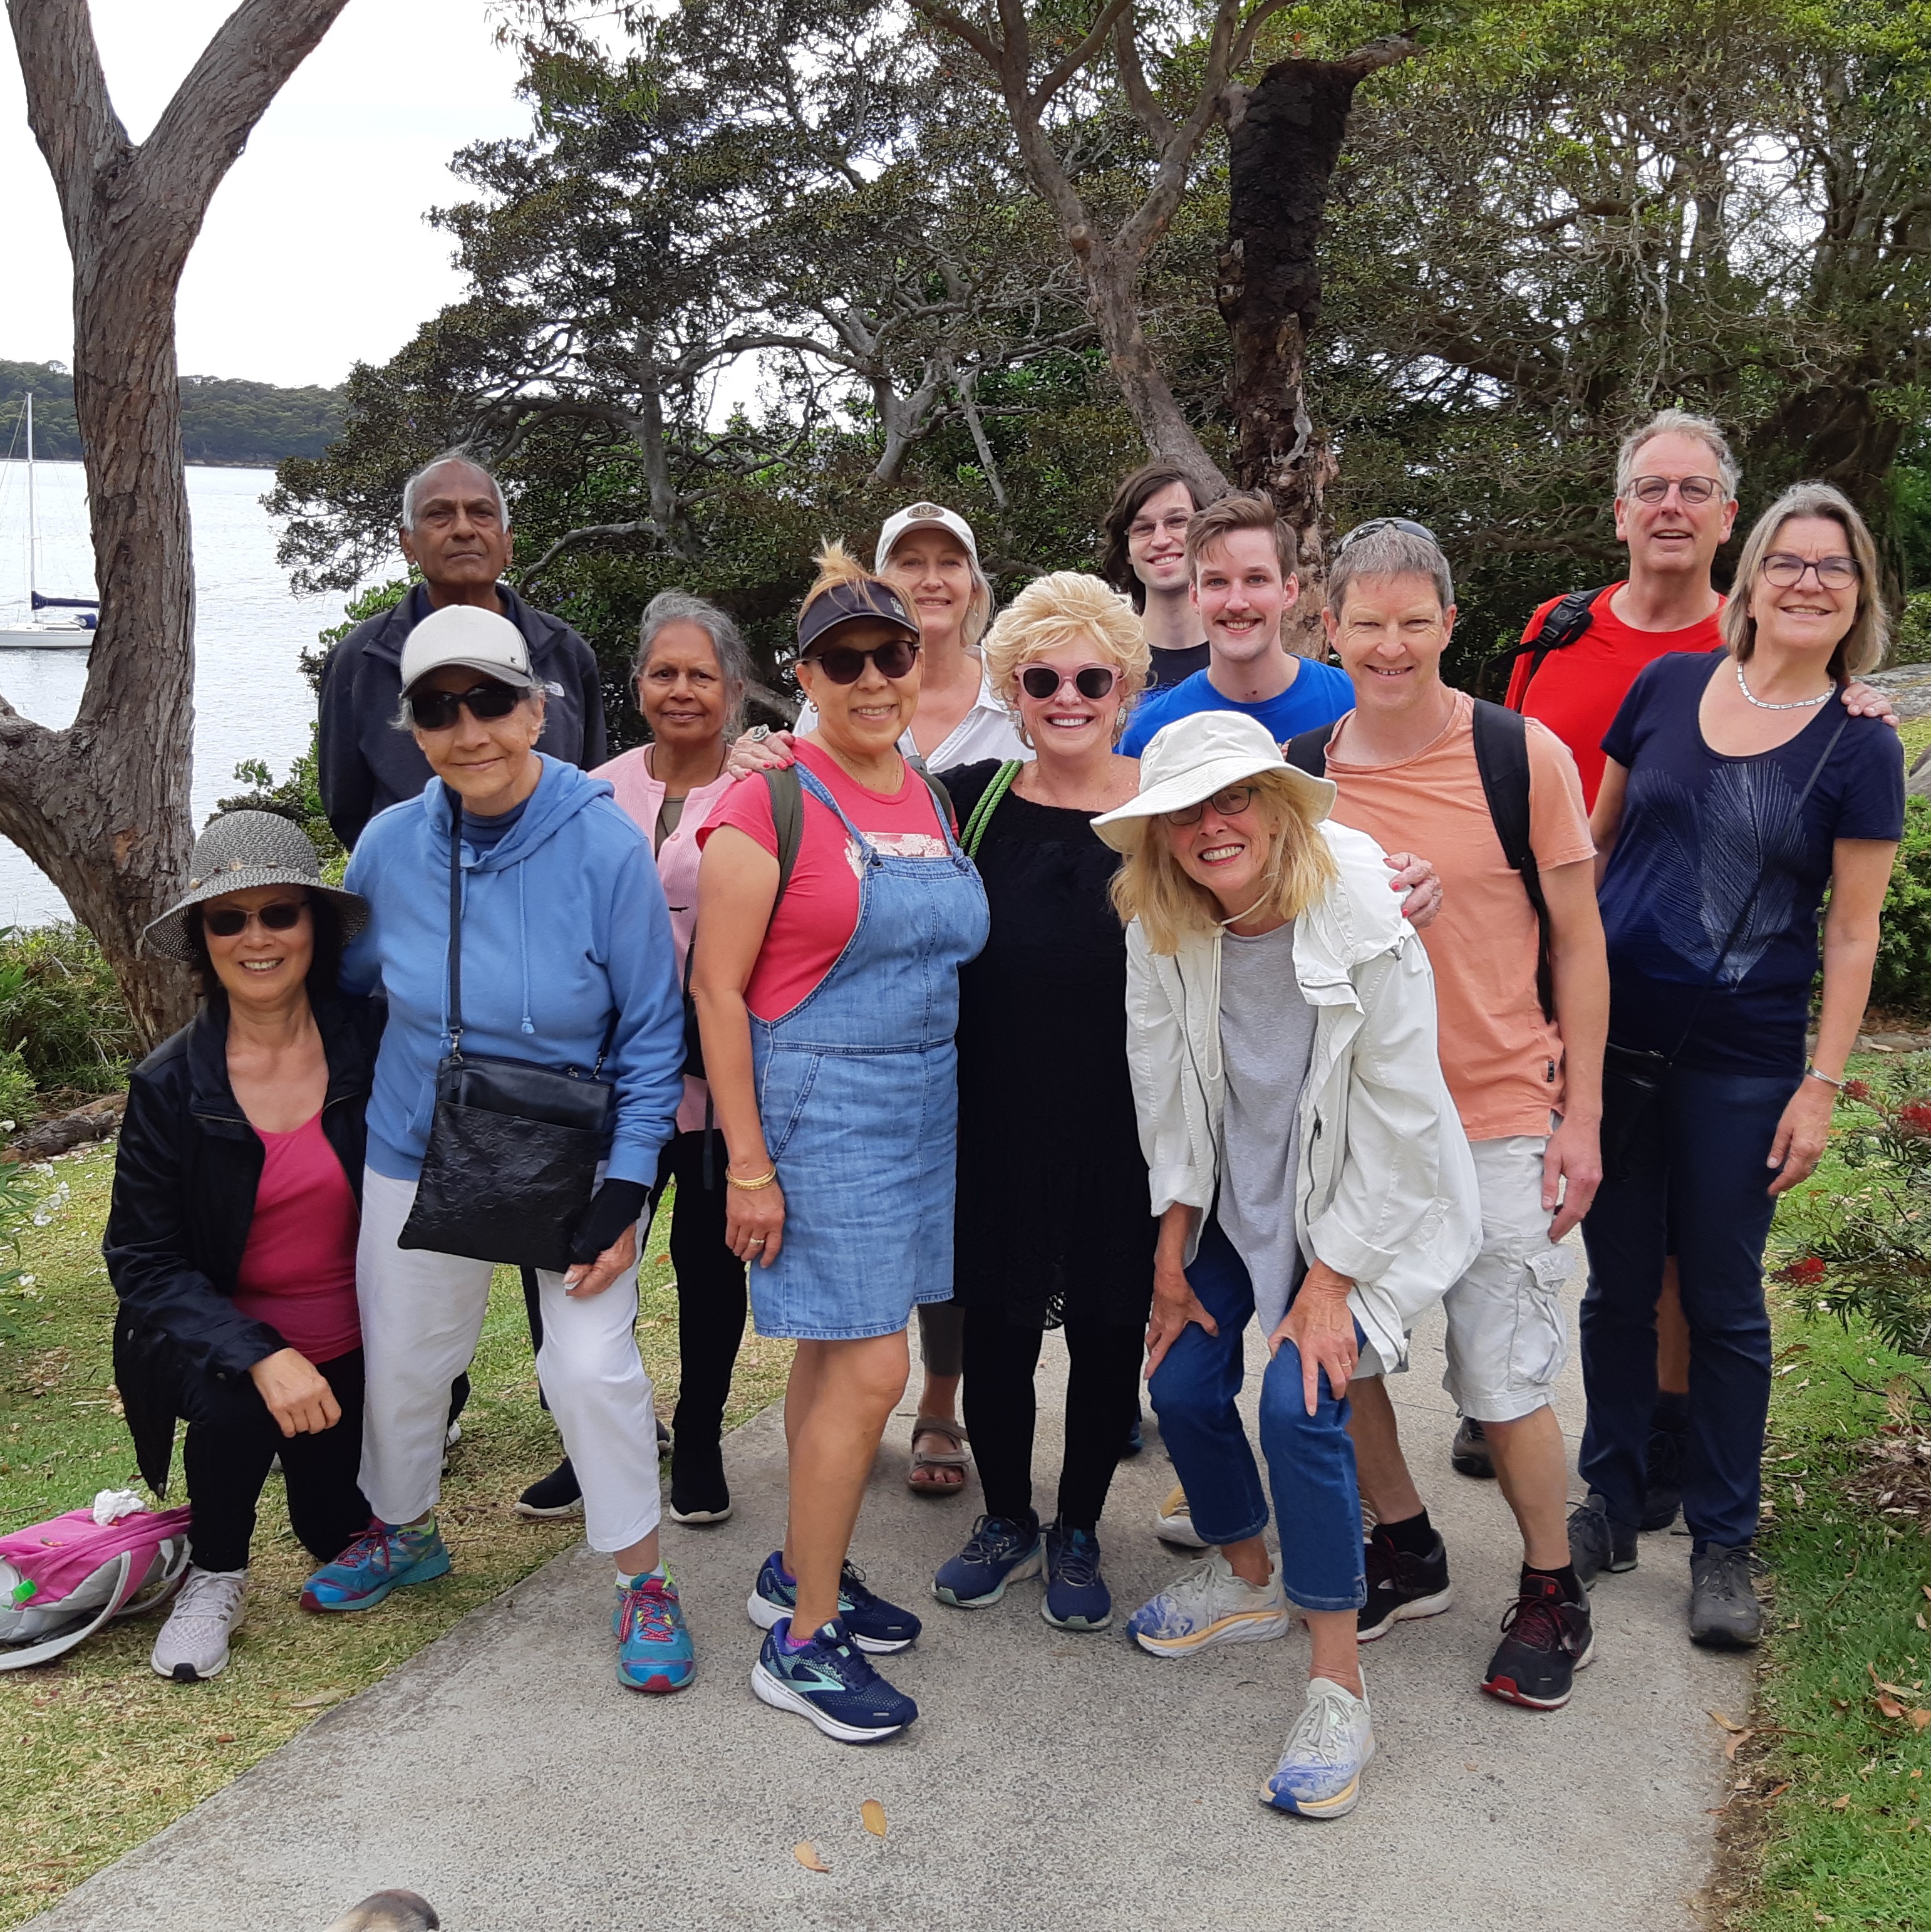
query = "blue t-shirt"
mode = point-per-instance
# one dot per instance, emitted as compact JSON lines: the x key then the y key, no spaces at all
{"x":1319,"y":694}
{"x":1698,"y":830}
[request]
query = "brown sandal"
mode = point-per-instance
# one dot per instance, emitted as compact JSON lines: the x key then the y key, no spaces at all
{"x":924,"y":1460}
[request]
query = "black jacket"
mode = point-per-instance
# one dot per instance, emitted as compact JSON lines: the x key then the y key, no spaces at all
{"x":365,"y":765}
{"x":185,"y":1182}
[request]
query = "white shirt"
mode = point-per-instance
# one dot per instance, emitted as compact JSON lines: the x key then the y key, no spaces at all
{"x":987,"y":731}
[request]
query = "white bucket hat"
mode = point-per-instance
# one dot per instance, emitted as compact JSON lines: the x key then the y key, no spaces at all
{"x":1190,"y":760}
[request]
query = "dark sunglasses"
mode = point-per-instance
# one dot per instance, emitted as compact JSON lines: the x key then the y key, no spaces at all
{"x":1230,"y":801}
{"x":1042,"y":681}
{"x":845,"y":663}
{"x":1407,"y":527}
{"x":436,"y":710}
{"x":225,"y":922}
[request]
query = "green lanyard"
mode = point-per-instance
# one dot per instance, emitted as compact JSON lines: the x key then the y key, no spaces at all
{"x":988,"y":803}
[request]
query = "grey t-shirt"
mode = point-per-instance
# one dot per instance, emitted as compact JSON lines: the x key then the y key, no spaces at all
{"x":1267,"y":1040}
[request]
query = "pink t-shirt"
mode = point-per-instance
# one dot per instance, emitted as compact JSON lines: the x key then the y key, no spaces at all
{"x":819,"y":912}
{"x":298,"y":1272}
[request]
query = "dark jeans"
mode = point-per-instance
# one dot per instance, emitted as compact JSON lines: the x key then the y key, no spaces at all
{"x":226,"y":1464}
{"x":1102,"y":1399}
{"x":710,"y":1290}
{"x":1310,"y":1458}
{"x":1698,"y":1183}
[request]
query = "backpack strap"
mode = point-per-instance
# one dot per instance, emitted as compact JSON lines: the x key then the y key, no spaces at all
{"x":787,"y":820}
{"x":1567,"y":620}
{"x":988,"y":803}
{"x":1309,"y":752}
{"x":1502,"y":757}
{"x":125,"y":1581}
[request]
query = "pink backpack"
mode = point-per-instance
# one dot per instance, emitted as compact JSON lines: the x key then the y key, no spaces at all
{"x":62,"y":1579}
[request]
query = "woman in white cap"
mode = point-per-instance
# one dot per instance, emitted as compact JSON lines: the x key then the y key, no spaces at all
{"x":1307,"y":1166}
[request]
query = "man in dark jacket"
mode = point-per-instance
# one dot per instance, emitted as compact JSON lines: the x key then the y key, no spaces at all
{"x":455,"y":530}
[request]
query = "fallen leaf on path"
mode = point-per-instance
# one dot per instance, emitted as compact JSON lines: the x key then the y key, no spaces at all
{"x":873,"y":1812}
{"x":1919,"y":1719}
{"x":1728,"y":1723}
{"x":1889,"y":1706}
{"x":316,"y":1703}
{"x":806,"y":1853}
{"x":1841,"y":1804}
{"x":1730,"y":1743}
{"x":1776,"y":1791}
{"x":1467,"y":1766}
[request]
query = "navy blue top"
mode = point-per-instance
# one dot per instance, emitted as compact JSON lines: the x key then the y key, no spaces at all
{"x":485,"y":835}
{"x":1698,"y":831}
{"x":1319,"y":694}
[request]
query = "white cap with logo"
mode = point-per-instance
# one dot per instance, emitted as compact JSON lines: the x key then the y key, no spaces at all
{"x":476,"y":639}
{"x":911,"y":518}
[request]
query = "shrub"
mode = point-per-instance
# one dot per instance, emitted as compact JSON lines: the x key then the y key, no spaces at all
{"x":298,"y":797}
{"x":60,"y":1011}
{"x":1902,"y":975}
{"x":1911,"y":642}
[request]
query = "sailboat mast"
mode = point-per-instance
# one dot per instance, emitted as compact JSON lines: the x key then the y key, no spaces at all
{"x":33,"y":514}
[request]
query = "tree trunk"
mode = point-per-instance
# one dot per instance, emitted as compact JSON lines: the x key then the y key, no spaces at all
{"x":1284,"y":136}
{"x":102,"y":808}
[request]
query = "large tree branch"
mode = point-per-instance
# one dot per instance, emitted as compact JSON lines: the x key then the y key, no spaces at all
{"x":68,"y":106}
{"x":1140,"y":96}
{"x":960,"y":28}
{"x":1063,"y":71}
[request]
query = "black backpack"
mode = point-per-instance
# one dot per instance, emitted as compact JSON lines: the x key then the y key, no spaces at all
{"x":1502,"y":757}
{"x":1566,"y":620}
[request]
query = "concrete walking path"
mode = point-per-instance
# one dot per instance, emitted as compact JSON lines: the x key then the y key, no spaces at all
{"x":1051,"y":1781}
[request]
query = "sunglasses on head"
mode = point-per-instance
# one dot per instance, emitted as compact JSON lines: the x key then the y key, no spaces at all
{"x":1405,"y":525}
{"x":1042,"y":681}
{"x":227,"y":922}
{"x":845,"y":663}
{"x":436,"y":710}
{"x":1229,"y":801}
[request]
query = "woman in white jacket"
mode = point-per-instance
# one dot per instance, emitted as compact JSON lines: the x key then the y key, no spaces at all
{"x":1307,"y":1166}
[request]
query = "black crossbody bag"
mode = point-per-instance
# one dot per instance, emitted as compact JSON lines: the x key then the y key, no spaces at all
{"x":514,"y":1146}
{"x":1633,"y":1077}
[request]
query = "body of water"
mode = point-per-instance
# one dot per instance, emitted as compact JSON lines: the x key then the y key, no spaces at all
{"x":250,"y":698}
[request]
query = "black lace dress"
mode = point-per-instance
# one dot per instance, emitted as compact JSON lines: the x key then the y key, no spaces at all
{"x":1052,"y":1215}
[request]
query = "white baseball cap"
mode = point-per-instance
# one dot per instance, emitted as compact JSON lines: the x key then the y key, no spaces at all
{"x":1190,"y":760}
{"x":911,"y":518}
{"x":468,"y":635}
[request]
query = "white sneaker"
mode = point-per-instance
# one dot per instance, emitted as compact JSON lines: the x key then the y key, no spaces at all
{"x":1173,"y":1521}
{"x":193,"y":1641}
{"x":1209,"y":1604}
{"x":1319,"y":1775}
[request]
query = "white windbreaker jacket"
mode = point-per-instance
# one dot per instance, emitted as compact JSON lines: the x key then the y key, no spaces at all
{"x":1387,"y":1191}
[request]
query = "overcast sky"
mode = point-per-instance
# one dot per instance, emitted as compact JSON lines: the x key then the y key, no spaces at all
{"x":315,"y":254}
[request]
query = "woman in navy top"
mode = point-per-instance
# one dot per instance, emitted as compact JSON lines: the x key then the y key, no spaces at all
{"x":1736,"y":793}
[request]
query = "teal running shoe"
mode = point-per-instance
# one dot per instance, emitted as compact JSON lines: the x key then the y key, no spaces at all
{"x":384,"y":1557}
{"x":830,"y":1681}
{"x":654,"y":1651}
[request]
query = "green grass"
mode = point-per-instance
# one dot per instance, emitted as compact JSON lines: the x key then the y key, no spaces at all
{"x":97,"y":1753}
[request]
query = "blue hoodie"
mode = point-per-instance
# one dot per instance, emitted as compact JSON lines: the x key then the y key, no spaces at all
{"x":562,"y":921}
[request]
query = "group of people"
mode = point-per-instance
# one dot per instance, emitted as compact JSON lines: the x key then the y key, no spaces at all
{"x":1102,"y":964}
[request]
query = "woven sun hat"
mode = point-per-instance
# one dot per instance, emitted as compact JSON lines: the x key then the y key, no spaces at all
{"x":1190,"y":760}
{"x":476,"y":639}
{"x":238,"y":849}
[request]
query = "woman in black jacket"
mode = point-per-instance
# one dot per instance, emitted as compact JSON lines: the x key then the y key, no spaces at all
{"x":231,"y":1241}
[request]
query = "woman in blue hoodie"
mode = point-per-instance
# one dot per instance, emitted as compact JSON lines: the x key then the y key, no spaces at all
{"x":565,"y":944}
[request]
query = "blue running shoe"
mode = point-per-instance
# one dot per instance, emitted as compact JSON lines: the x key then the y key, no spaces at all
{"x":654,"y":1650}
{"x":1077,"y":1598}
{"x":831,"y":1681}
{"x":871,"y":1622}
{"x":383,"y":1557}
{"x":1001,"y":1551}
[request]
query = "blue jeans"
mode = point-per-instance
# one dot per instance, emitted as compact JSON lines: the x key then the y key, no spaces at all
{"x":1697,"y":1188}
{"x":1310,"y":1458}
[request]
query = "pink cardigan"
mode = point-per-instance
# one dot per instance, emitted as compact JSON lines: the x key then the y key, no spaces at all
{"x":642,"y":796}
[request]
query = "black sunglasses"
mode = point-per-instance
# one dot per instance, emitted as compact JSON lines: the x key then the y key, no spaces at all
{"x":225,"y":922}
{"x":436,"y":710}
{"x":845,"y":663}
{"x":1042,"y":681}
{"x":1406,"y":526}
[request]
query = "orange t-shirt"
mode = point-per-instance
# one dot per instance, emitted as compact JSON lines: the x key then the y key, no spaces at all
{"x":1502,"y":1060}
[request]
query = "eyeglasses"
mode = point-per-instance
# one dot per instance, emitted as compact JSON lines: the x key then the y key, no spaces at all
{"x":1042,"y":682}
{"x":1229,"y":801}
{"x":1174,"y":525}
{"x":1694,"y":490}
{"x":227,"y":922}
{"x":1787,"y":571}
{"x":1407,"y":527}
{"x":436,"y":710}
{"x":845,"y":663}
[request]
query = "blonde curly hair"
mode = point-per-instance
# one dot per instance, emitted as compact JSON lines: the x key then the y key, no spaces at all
{"x":1067,"y":607}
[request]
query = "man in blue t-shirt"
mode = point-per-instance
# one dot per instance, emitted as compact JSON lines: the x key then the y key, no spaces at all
{"x":1241,"y":560}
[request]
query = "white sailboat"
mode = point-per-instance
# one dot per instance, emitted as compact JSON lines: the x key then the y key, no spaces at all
{"x":70,"y":628}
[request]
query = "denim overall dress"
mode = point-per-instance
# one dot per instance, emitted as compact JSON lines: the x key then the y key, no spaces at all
{"x":858,"y":1090}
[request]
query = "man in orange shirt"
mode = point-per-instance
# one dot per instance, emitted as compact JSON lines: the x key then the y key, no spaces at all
{"x":1526,"y":1079}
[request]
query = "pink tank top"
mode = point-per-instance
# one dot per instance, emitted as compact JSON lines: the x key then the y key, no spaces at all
{"x":298,"y":1272}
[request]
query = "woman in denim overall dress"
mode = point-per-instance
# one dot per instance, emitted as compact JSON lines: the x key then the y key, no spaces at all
{"x":828,"y":1019}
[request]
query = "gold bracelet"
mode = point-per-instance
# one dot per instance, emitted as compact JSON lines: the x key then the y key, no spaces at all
{"x":751,"y":1186}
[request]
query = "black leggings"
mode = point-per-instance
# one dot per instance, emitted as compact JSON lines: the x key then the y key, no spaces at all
{"x":710,"y":1289}
{"x":226,"y":1463}
{"x":1102,"y":1399}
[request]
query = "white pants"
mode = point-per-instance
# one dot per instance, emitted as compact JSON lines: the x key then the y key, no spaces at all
{"x":422,"y":1315}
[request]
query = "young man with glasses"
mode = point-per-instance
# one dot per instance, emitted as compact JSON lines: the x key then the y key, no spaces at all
{"x":1146,"y":557}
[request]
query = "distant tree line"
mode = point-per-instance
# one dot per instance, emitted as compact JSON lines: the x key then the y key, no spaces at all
{"x":223,"y":420}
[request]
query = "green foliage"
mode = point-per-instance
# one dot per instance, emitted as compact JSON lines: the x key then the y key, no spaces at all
{"x":1902,"y":975}
{"x":1910,"y":642}
{"x":60,"y":1011}
{"x":298,"y":797}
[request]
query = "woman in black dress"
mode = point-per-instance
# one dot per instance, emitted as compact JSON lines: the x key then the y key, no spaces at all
{"x":1053,"y":1227}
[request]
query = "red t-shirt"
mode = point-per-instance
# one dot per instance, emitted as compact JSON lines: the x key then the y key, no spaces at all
{"x":298,"y":1272}
{"x":1578,"y":691}
{"x":819,"y":912}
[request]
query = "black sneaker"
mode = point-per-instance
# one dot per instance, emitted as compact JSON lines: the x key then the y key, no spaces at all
{"x":1400,"y":1585}
{"x":1724,"y":1612}
{"x":1597,"y":1542}
{"x":557,"y":1494}
{"x":1471,"y":1454}
{"x":1663,"y":1475}
{"x":698,"y":1491}
{"x":1545,"y":1641}
{"x":663,"y":1438}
